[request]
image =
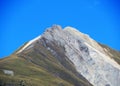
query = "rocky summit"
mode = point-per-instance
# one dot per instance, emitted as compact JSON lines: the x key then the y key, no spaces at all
{"x":61,"y":57}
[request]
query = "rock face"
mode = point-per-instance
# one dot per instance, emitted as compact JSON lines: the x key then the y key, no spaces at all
{"x":87,"y":56}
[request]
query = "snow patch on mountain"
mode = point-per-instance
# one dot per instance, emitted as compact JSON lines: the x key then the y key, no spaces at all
{"x":29,"y":44}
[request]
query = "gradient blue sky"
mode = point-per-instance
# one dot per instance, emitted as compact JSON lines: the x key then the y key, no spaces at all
{"x":23,"y":20}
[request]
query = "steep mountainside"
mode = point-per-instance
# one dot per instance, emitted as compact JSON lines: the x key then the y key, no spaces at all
{"x":61,"y":57}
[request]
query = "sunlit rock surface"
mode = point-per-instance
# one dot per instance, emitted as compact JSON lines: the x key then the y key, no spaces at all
{"x":87,"y":56}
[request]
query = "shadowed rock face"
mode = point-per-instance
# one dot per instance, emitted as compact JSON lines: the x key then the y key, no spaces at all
{"x":86,"y":56}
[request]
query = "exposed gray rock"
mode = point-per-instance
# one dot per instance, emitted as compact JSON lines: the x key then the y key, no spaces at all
{"x":8,"y":72}
{"x":88,"y":56}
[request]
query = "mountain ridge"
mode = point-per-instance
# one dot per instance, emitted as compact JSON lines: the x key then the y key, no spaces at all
{"x":70,"y":56}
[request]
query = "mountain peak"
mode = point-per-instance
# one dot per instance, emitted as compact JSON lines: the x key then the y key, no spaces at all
{"x":85,"y":53}
{"x":54,"y":28}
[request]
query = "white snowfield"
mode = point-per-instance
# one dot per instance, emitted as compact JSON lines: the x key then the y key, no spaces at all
{"x":88,"y":56}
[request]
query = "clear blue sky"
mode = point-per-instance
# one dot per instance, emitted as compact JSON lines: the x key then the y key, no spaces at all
{"x":22,"y":20}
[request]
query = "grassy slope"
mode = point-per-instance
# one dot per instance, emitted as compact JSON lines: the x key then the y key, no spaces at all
{"x":38,"y":68}
{"x":40,"y":56}
{"x":31,"y":74}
